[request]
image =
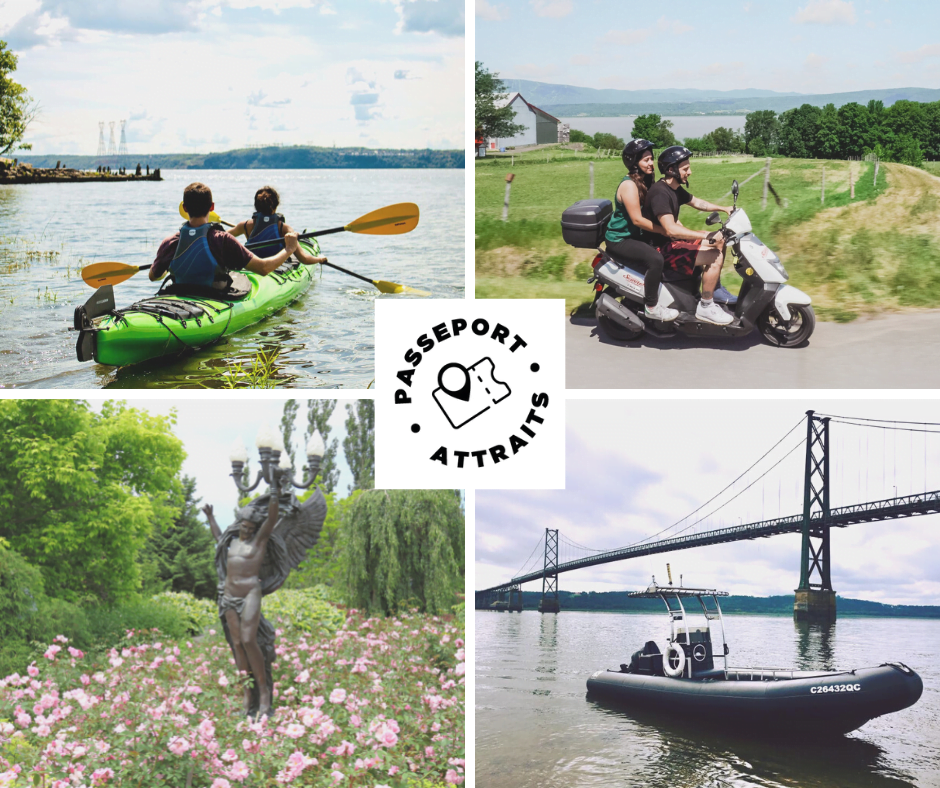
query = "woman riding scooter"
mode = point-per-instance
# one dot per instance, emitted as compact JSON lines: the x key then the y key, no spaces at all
{"x":629,"y":231}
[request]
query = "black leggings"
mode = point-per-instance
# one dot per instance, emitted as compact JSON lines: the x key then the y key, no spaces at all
{"x":649,"y":256}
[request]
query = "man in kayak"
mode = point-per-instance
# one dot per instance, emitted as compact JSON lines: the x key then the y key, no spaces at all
{"x":266,"y":224}
{"x":202,"y":253}
{"x":684,"y":249}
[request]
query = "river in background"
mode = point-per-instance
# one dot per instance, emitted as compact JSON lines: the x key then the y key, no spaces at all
{"x":536,"y":729}
{"x":682,"y":125}
{"x":48,"y":232}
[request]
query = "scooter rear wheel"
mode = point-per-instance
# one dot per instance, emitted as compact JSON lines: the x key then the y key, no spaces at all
{"x":775,"y":331}
{"x":615,"y":331}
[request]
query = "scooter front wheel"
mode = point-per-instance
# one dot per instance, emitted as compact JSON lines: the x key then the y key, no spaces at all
{"x":775,"y":330}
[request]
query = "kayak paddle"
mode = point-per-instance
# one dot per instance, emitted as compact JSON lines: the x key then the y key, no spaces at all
{"x":99,"y":274}
{"x":390,"y":220}
{"x":382,"y":285}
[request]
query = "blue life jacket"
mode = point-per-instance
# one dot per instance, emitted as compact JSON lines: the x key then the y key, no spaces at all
{"x":193,"y":263}
{"x":265,"y":228}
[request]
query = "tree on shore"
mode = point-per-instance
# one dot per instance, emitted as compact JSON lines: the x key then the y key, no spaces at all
{"x":491,"y":120}
{"x":318,"y":418}
{"x":654,"y":128}
{"x":359,"y":443}
{"x":17,"y":110}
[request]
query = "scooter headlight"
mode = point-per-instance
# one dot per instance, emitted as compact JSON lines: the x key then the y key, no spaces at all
{"x":775,"y":262}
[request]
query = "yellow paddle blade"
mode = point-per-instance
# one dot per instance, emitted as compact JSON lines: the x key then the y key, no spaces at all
{"x":390,"y":220}
{"x":393,"y":288}
{"x":98,"y":274}
{"x":213,"y":216}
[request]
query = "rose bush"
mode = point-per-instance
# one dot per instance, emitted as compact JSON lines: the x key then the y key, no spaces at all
{"x":377,"y":702}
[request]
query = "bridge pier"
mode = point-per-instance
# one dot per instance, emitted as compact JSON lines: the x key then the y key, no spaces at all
{"x":814,"y":605}
{"x":515,"y":599}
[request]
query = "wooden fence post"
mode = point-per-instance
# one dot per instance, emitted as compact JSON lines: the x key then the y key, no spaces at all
{"x":763,"y":202}
{"x":875,"y":182}
{"x":822,"y":197}
{"x":592,"y":179}
{"x":851,"y":180}
{"x":509,"y":178}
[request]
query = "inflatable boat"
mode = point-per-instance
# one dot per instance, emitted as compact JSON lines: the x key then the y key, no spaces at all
{"x":686,"y":680}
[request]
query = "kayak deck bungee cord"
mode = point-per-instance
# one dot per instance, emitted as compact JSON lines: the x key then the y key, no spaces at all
{"x":168,"y":324}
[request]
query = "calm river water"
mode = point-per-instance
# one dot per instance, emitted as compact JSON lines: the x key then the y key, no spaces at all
{"x":536,"y":729}
{"x":48,"y":232}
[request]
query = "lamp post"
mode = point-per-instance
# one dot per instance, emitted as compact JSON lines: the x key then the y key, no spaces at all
{"x":272,"y":454}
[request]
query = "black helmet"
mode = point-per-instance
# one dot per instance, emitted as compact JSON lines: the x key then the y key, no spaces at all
{"x":633,"y":151}
{"x":673,"y":157}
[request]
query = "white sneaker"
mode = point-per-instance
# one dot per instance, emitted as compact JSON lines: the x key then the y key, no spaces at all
{"x":712,"y":313}
{"x":663,"y":313}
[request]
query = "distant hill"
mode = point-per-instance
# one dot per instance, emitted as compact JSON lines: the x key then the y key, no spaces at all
{"x":566,"y":101}
{"x":545,"y":93}
{"x":295,"y":157}
{"x":618,"y":601}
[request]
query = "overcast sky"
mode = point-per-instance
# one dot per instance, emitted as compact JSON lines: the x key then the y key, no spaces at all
{"x":211,"y":75}
{"x":813,"y":46}
{"x":636,"y":467}
{"x":208,"y":427}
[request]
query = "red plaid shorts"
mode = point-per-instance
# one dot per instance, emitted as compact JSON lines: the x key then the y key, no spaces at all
{"x":680,"y":256}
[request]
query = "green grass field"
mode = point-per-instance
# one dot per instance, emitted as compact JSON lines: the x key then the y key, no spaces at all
{"x":844,"y":264}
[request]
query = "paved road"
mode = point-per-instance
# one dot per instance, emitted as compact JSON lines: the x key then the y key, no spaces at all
{"x":890,"y":352}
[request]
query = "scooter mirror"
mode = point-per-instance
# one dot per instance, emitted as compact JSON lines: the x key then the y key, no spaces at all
{"x":712,"y":219}
{"x":734,"y":188}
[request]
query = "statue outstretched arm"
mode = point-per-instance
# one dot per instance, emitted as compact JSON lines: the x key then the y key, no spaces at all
{"x":213,"y":525}
{"x":268,"y":526}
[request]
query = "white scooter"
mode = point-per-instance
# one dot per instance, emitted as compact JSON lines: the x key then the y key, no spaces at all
{"x":778,"y":311}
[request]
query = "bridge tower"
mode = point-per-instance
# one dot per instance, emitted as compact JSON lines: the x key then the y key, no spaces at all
{"x":815,"y":599}
{"x":549,"y":602}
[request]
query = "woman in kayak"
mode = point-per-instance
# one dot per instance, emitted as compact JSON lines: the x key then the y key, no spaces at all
{"x":266,"y":224}
{"x":628,"y":233}
{"x":202,"y":253}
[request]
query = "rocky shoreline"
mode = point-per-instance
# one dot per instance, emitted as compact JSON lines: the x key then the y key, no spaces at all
{"x":12,"y":171}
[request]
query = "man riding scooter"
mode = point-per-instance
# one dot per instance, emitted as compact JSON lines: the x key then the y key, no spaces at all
{"x":684,"y":249}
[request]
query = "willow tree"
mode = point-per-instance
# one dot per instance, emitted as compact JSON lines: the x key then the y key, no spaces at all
{"x":404,"y":548}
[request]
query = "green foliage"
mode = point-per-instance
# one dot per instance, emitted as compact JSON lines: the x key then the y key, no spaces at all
{"x":404,"y":548}
{"x":288,"y":419}
{"x":16,"y":109}
{"x":303,"y":610}
{"x":359,"y":443}
{"x":764,"y":126}
{"x":181,"y":557}
{"x":652,"y":127}
{"x":108,"y":626}
{"x":81,"y":492}
{"x":574,"y":135}
{"x":198,"y":614}
{"x":318,"y":417}
{"x":322,"y":567}
{"x":492,"y":121}
{"x":262,"y":374}
{"x":604,"y":141}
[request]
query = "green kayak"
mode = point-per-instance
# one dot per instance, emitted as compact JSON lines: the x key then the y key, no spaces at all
{"x":170,"y":323}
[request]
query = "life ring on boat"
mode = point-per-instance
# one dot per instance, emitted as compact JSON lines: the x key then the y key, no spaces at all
{"x":668,"y":668}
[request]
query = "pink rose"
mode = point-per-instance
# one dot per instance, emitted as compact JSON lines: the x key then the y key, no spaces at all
{"x":338,"y":695}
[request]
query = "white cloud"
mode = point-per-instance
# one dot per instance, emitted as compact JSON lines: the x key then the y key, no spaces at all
{"x":826,"y":12}
{"x":552,"y":8}
{"x":444,"y":17}
{"x":491,"y":13}
{"x":624,"y":38}
{"x":917,"y":55}
{"x":674,"y":26}
{"x":814,"y":61}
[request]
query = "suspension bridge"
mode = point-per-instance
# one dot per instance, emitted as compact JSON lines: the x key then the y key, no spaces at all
{"x":815,"y":597}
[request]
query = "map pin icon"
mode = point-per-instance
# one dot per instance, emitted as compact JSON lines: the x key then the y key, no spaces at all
{"x":464,"y":391}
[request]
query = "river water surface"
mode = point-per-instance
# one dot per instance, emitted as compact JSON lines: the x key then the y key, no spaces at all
{"x":48,"y":232}
{"x":536,"y":729}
